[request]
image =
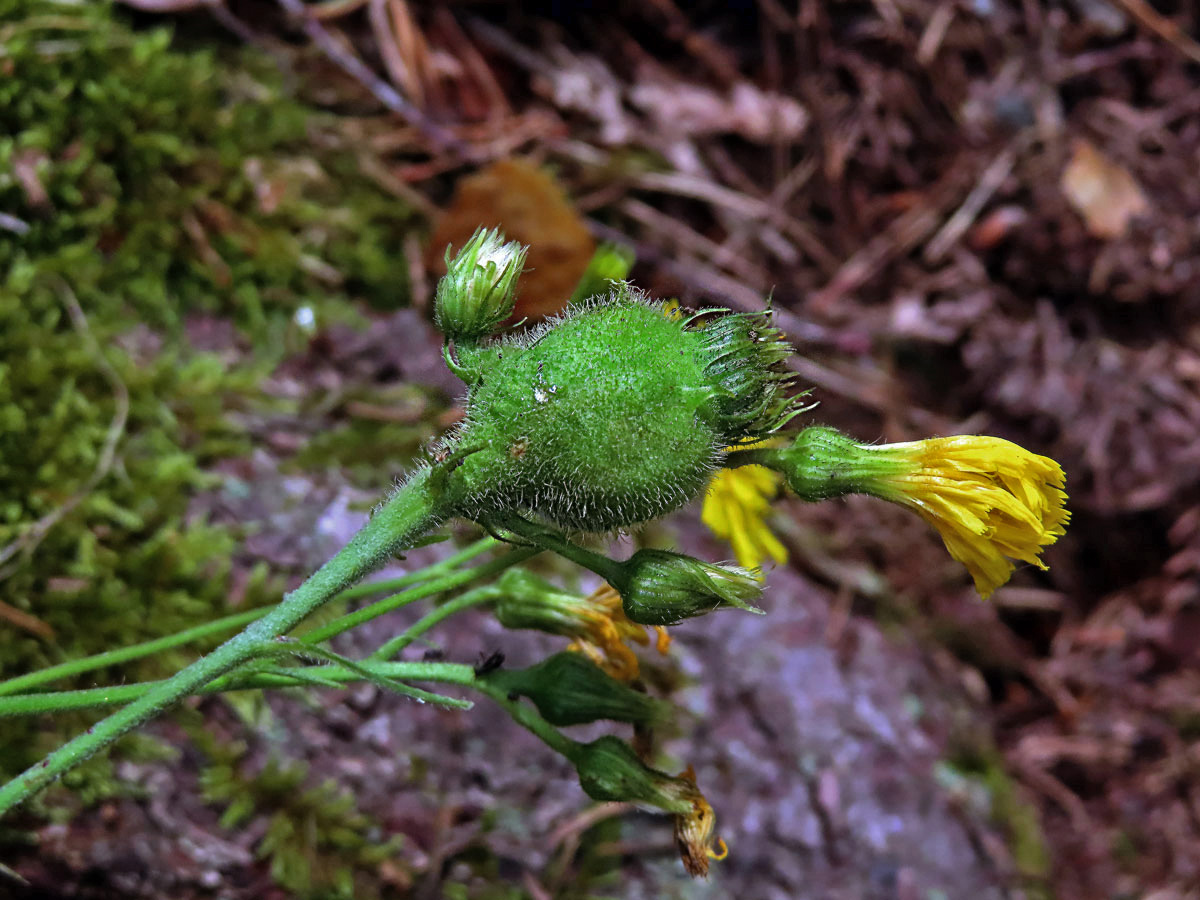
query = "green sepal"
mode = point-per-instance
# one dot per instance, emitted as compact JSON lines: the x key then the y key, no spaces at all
{"x":659,"y":587}
{"x":609,"y":771}
{"x":569,"y":689}
{"x":822,"y":463}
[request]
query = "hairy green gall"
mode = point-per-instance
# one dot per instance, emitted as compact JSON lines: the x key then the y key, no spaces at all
{"x":613,"y":414}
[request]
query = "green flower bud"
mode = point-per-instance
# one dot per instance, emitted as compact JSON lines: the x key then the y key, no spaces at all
{"x":610,"y":771}
{"x":568,"y":689}
{"x":477,"y":292}
{"x":660,"y":588}
{"x":528,"y":601}
{"x":614,"y":414}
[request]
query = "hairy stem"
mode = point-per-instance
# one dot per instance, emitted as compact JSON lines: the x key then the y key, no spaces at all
{"x":125,"y":654}
{"x":409,"y":514}
{"x":449,"y":564}
{"x":527,"y":717}
{"x":74,"y":667}
{"x":476,"y":597}
{"x":428,"y":589}
{"x":98,"y":698}
{"x":549,"y":539}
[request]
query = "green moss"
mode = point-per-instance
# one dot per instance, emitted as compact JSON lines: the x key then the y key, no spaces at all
{"x":147,"y":185}
{"x":315,"y":840}
{"x":393,"y":424}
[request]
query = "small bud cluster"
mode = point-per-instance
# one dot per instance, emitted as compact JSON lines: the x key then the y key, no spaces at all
{"x":478,"y":291}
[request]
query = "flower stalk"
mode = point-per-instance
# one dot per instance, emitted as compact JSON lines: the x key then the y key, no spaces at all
{"x":412,"y":511}
{"x":992,"y":501}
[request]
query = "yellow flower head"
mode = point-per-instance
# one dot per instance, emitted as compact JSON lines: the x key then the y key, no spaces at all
{"x":605,"y":630}
{"x":694,"y":828}
{"x":597,"y":624}
{"x":735,"y":509}
{"x":988,"y":498}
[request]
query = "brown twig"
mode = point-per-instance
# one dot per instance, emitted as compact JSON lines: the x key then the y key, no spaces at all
{"x":349,"y":63}
{"x":1148,"y":17}
{"x":901,"y":236}
{"x":26,"y":621}
{"x":384,"y":24}
{"x":988,"y":183}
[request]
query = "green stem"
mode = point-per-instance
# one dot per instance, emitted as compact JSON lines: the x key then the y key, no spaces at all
{"x":125,"y":654}
{"x":45,"y":703}
{"x":608,"y":569}
{"x":430,"y":588}
{"x":236,"y":620}
{"x":412,"y":511}
{"x":288,"y":647}
{"x":97,"y":698}
{"x":761,"y":457}
{"x":438,"y":672}
{"x":425,"y":623}
{"x":466,"y":554}
{"x":528,"y":718}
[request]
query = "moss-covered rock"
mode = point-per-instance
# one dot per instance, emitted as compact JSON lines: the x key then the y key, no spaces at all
{"x":143,"y":185}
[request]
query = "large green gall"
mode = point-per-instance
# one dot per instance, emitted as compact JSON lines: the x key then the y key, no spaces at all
{"x":614,"y":414}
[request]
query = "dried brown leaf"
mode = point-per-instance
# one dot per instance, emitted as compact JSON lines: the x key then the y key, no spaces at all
{"x":1102,"y":192}
{"x":531,"y":208}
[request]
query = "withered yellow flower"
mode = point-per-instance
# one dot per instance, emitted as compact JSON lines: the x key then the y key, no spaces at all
{"x":735,"y":509}
{"x":992,"y":501}
{"x":694,"y":828}
{"x":597,"y":624}
{"x":605,"y":631}
{"x":609,"y":770}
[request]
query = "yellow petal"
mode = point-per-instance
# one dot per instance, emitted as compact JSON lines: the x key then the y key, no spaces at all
{"x":991,"y":501}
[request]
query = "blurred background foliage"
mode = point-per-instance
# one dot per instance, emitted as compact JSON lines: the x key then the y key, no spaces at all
{"x":150,"y":185}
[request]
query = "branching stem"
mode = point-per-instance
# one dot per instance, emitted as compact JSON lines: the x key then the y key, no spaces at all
{"x":409,"y":514}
